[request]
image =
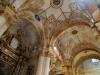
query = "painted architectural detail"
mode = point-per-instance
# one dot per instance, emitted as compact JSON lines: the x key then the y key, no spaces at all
{"x":56,"y":3}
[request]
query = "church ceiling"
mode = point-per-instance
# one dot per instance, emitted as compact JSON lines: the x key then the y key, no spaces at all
{"x":59,"y":20}
{"x":76,"y":36}
{"x":65,"y":24}
{"x":63,"y":7}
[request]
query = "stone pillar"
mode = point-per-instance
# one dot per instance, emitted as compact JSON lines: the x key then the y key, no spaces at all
{"x":40,"y":65}
{"x":43,"y":65}
{"x":47,"y":64}
{"x":3,"y":25}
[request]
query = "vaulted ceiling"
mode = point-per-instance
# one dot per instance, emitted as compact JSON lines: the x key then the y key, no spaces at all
{"x":67,"y":25}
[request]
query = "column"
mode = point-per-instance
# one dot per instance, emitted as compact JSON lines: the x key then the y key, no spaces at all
{"x":3,"y":25}
{"x":43,"y":65}
{"x":47,"y":64}
{"x":40,"y":65}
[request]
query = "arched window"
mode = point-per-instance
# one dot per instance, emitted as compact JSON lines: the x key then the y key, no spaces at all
{"x":14,"y":43}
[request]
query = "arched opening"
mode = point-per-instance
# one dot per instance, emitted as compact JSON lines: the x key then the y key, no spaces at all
{"x":86,"y":63}
{"x":89,"y":67}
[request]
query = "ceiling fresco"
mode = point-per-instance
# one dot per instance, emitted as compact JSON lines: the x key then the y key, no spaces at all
{"x":69,"y":26}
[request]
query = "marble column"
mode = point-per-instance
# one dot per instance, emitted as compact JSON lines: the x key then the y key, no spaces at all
{"x":43,"y":65}
{"x":47,"y":64}
{"x":40,"y":66}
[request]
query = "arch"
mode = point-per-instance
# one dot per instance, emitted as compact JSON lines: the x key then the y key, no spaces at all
{"x":34,"y":25}
{"x":82,"y":56}
{"x":61,"y":30}
{"x":31,"y":25}
{"x":84,"y":47}
{"x":29,"y":16}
